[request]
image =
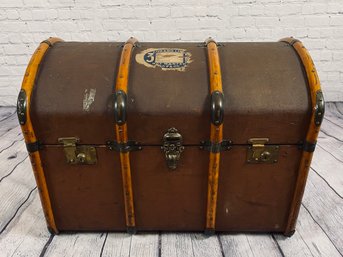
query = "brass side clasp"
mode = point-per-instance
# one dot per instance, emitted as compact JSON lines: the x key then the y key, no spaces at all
{"x":259,"y":152}
{"x":78,"y":154}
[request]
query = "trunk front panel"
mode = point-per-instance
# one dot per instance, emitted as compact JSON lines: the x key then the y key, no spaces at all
{"x":252,"y":197}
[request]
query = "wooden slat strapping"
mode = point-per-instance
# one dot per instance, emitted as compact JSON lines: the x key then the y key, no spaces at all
{"x":216,"y":137}
{"x":28,"y":131}
{"x":122,"y":137}
{"x":312,"y":132}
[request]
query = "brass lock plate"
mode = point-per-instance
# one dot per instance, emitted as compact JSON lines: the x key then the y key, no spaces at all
{"x":78,"y":154}
{"x":259,"y":152}
{"x":172,"y":147}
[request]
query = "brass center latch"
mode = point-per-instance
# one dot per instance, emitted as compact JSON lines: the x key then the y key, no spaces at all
{"x":78,"y":154}
{"x":172,"y":147}
{"x":259,"y":152}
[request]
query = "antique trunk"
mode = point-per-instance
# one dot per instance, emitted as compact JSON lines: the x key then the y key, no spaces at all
{"x":171,"y":136}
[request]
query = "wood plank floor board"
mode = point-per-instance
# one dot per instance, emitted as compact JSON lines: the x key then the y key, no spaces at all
{"x":334,"y":113}
{"x":332,"y":130}
{"x":11,"y":158}
{"x":176,"y":245}
{"x":27,"y":233}
{"x":326,"y":208}
{"x":125,"y":245}
{"x":14,"y":190}
{"x":309,"y":239}
{"x":144,"y":245}
{"x":8,"y":124}
{"x":10,"y":138}
{"x":6,"y":112}
{"x":79,"y":244}
{"x":332,"y":147}
{"x":250,"y":245}
{"x":194,"y":244}
{"x":329,"y":168}
{"x":117,"y":244}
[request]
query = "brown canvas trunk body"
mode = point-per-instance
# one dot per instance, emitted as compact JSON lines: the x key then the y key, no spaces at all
{"x":266,"y":95}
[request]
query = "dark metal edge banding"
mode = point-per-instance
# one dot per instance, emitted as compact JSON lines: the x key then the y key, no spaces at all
{"x":47,"y":42}
{"x":209,"y":40}
{"x":209,"y":232}
{"x":33,"y":147}
{"x":309,"y":147}
{"x":216,"y":147}
{"x":131,"y":230}
{"x":124,"y":147}
{"x":292,"y":42}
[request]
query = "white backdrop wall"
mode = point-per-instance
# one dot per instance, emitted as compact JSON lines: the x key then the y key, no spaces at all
{"x":25,"y":23}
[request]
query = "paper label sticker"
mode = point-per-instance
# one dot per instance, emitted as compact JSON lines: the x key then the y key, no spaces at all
{"x":166,"y":58}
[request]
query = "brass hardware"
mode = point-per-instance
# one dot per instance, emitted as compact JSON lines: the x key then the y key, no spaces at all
{"x":21,"y":107}
{"x":259,"y":152}
{"x":319,"y":108}
{"x":78,"y":154}
{"x":217,"y":108}
{"x":172,"y":147}
{"x":120,"y":105}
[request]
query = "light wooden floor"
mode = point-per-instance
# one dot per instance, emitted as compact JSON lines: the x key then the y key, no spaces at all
{"x":319,"y":228}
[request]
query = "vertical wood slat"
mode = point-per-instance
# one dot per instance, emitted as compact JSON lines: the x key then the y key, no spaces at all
{"x":312,"y":132}
{"x":122,"y":137}
{"x":28,"y":131}
{"x":215,"y":137}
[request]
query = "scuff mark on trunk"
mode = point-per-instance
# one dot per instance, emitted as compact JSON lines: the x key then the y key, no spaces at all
{"x":88,"y":99}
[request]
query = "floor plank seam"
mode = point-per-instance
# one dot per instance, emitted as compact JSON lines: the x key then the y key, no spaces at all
{"x":278,"y":246}
{"x":321,"y":228}
{"x":337,"y":108}
{"x":103,"y":245}
{"x":16,"y":212}
{"x":46,"y":246}
{"x":305,"y":243}
{"x":130,"y":245}
{"x":192,"y":246}
{"x":330,"y":153}
{"x":327,"y":183}
{"x":8,"y":174}
{"x":12,"y":128}
{"x":8,"y":116}
{"x":333,"y":122}
{"x":251,"y":250}
{"x":221,"y":245}
{"x":159,"y":245}
{"x":335,"y":116}
{"x":323,"y":131}
{"x":15,"y":141}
